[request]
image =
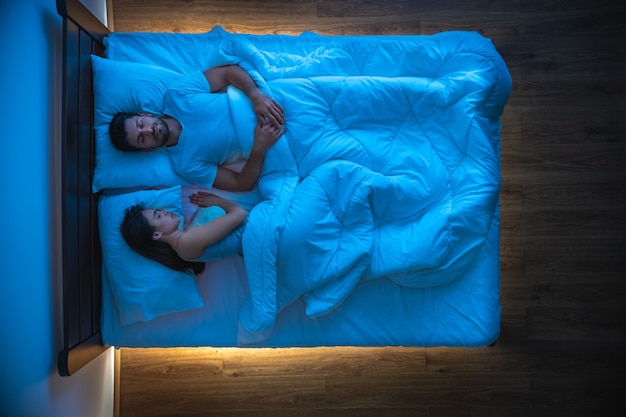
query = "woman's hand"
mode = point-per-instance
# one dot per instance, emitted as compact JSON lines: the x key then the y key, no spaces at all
{"x":204,"y":199}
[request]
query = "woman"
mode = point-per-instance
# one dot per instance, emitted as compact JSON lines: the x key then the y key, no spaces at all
{"x":214,"y":232}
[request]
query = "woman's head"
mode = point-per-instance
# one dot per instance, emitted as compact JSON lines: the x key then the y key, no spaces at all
{"x":142,"y":229}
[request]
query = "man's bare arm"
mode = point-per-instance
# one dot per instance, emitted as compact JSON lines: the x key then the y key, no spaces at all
{"x":265,"y":108}
{"x":265,"y":135}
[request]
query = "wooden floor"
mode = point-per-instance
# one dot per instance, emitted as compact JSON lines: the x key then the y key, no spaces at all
{"x":563,"y":198}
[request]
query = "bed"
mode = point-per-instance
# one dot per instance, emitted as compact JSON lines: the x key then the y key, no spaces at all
{"x":376,"y":217}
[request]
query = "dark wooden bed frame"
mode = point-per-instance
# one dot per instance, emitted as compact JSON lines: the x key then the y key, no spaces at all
{"x":83,"y":36}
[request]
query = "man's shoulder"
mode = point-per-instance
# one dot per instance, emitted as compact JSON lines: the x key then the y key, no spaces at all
{"x":194,"y":82}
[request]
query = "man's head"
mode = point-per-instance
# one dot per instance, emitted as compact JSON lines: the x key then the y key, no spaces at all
{"x":142,"y":131}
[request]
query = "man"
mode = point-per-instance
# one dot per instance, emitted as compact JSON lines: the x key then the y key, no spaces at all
{"x":198,"y":132}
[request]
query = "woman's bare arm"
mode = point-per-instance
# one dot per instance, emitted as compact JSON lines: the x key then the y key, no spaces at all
{"x":196,"y":239}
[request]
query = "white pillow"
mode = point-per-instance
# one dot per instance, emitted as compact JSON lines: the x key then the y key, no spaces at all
{"x":129,"y":87}
{"x":142,"y":289}
{"x":181,"y":52}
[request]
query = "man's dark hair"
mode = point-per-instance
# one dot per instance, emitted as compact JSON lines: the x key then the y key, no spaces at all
{"x":117,"y":132}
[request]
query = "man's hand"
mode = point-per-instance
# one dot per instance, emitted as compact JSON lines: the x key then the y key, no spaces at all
{"x":267,"y":110}
{"x":265,"y":136}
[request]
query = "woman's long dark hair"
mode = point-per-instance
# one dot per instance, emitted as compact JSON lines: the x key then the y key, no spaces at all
{"x":137,"y":233}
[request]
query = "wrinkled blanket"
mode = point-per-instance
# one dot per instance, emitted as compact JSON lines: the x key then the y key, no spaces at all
{"x":389,"y":168}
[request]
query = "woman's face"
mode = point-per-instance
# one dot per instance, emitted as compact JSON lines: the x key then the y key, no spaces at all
{"x":161,"y":220}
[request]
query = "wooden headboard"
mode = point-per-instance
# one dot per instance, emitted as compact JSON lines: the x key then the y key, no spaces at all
{"x":83,"y":35}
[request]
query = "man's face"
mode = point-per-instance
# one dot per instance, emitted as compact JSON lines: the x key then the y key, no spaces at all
{"x":146,"y":132}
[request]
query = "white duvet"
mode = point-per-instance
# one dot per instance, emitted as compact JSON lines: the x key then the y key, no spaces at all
{"x":389,"y":166}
